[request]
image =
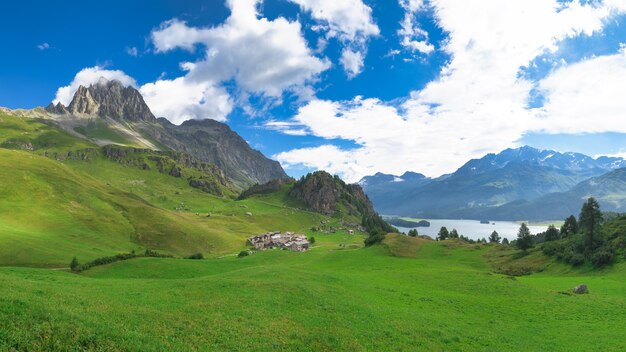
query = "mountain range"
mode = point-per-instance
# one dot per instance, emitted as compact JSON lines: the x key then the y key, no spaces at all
{"x":107,"y":113}
{"x":522,"y":183}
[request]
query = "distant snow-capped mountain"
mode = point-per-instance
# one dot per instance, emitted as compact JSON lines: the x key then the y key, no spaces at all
{"x":524,"y":173}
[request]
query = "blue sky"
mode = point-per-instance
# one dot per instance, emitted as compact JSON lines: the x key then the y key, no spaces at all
{"x":353,"y":87}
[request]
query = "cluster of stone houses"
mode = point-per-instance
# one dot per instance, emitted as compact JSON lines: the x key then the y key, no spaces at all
{"x":276,"y":239}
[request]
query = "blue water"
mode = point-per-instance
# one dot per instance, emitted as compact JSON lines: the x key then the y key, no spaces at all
{"x":473,"y":228}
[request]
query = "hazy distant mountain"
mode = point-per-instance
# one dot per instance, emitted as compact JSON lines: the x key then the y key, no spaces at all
{"x":609,"y":189}
{"x":109,"y":113}
{"x":384,"y":190}
{"x":522,"y":174}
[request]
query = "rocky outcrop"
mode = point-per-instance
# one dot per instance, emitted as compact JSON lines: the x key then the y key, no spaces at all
{"x":214,"y":142}
{"x":58,"y":109}
{"x":326,"y":194}
{"x":107,"y":99}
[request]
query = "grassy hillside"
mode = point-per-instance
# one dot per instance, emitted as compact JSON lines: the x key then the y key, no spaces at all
{"x":52,"y":211}
{"x":87,"y":202}
{"x":439,"y":297}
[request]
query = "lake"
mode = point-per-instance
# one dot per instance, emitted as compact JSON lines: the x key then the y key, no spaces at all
{"x":473,"y":228}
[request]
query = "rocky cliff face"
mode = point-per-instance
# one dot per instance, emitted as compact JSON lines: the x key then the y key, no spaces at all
{"x":214,"y":142}
{"x":329,"y":194}
{"x":107,"y":99}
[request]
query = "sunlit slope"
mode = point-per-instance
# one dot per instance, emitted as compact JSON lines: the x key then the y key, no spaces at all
{"x":51,"y":211}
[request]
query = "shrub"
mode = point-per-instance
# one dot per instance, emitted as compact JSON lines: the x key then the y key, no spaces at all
{"x":552,"y":248}
{"x":602,"y":256}
{"x":575,"y":259}
{"x":155,"y":254}
{"x":196,"y":256}
{"x":374,"y":238}
{"x":243,"y":254}
{"x":311,"y":240}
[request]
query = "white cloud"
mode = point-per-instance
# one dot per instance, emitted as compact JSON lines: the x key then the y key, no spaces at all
{"x":132,"y":51}
{"x":412,"y":36}
{"x":591,"y":89}
{"x":88,"y":76}
{"x":263,"y":57}
{"x":352,"y":62}
{"x":350,"y":21}
{"x":43,"y":46}
{"x":181,"y":99}
{"x":479,"y":102}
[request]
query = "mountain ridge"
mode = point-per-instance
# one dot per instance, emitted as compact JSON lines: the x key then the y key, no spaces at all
{"x":107,"y":112}
{"x":521,"y":174}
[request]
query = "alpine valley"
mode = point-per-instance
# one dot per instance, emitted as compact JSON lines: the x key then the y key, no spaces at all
{"x":120,"y":231}
{"x":516,"y":184}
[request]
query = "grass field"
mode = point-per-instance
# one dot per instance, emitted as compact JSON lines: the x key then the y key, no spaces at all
{"x":432,"y":297}
{"x":52,"y":211}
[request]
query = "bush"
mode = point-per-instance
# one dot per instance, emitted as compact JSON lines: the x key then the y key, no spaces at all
{"x":243,"y":254}
{"x":311,"y":240}
{"x":575,"y":259}
{"x":374,"y":238}
{"x":602,"y":256}
{"x":196,"y":256}
{"x":155,"y":254}
{"x":552,"y":248}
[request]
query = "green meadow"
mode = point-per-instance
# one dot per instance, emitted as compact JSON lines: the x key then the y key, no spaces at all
{"x":405,"y":295}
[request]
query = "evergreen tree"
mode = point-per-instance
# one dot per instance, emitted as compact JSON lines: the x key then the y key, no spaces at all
{"x":524,"y":238}
{"x":552,"y":234}
{"x":570,"y":227}
{"x":413,"y":233}
{"x":74,"y":264}
{"x":494,"y":237}
{"x":589,"y":222}
{"x":443,"y":234}
{"x":505,"y":241}
{"x":454,"y":234}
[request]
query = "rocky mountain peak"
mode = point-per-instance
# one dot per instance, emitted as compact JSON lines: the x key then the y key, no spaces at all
{"x":107,"y":99}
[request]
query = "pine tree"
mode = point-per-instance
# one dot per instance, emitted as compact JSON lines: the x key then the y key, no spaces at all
{"x":589,"y":221}
{"x":552,"y":233}
{"x":570,"y":227}
{"x":454,"y":234}
{"x":524,"y":238}
{"x":74,"y":264}
{"x":494,"y":237}
{"x":443,"y":234}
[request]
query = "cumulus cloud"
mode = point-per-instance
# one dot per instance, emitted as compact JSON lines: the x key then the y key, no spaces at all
{"x":412,"y":36}
{"x":180,"y":100}
{"x":43,"y":46}
{"x":350,"y":21}
{"x":479,"y":102}
{"x":88,"y":76}
{"x":591,"y":89}
{"x":263,"y":57}
{"x":352,"y":62}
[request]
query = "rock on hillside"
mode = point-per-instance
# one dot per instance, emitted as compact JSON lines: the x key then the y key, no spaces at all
{"x":107,"y":99}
